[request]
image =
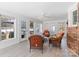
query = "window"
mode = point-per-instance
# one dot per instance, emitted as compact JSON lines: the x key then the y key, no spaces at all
{"x":23,"y":29}
{"x":31,"y":27}
{"x":7,"y":27}
{"x":75,"y":17}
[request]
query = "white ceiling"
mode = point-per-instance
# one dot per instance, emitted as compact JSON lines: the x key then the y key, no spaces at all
{"x":56,"y":10}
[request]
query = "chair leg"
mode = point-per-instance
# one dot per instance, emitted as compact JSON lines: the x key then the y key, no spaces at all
{"x":49,"y":44}
{"x":30,"y":49}
{"x":59,"y":45}
{"x":42,"y":50}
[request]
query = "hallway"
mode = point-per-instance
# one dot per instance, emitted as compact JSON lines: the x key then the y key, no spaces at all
{"x":22,"y":50}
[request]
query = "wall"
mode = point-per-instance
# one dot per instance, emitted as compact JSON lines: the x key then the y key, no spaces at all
{"x":70,"y":15}
{"x":38,"y":27}
{"x":48,"y":25}
{"x":17,"y":39}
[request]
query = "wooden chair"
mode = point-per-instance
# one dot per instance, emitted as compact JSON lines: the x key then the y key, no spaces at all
{"x":36,"y":42}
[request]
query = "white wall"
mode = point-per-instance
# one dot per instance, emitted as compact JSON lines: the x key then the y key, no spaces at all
{"x":48,"y":25}
{"x":70,"y":15}
{"x":36,"y":23}
{"x":37,"y":27}
{"x":17,"y":39}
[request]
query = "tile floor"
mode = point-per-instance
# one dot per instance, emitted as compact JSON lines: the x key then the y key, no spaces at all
{"x":22,"y":50}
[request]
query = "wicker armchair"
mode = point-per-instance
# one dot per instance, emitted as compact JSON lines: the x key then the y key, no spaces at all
{"x":56,"y":40}
{"x":36,"y":42}
{"x":46,"y":33}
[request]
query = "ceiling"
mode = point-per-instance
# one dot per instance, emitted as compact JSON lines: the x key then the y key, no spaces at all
{"x":55,"y":10}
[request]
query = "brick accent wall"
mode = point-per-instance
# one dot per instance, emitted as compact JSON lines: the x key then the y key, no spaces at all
{"x":73,"y":39}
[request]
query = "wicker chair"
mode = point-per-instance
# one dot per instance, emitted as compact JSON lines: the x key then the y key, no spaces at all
{"x":56,"y":40}
{"x":46,"y":33}
{"x":36,"y":42}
